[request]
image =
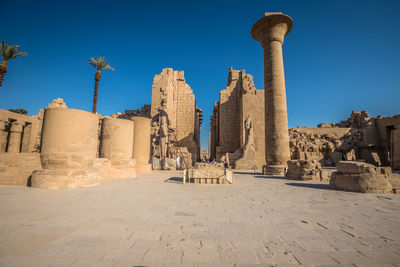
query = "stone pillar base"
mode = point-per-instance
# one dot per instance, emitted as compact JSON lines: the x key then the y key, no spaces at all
{"x":65,"y":179}
{"x":143,"y":168}
{"x":119,"y":173}
{"x":274,"y":170}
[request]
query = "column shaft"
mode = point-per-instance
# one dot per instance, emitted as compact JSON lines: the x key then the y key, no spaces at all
{"x":14,"y":143}
{"x":276,"y":121}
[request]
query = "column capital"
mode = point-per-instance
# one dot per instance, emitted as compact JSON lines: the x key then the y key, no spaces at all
{"x":16,"y":126}
{"x":274,"y":26}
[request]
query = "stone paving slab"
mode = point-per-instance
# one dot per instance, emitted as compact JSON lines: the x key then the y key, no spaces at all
{"x":154,"y":220}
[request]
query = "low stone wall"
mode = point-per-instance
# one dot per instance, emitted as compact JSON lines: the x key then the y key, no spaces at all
{"x":16,"y":168}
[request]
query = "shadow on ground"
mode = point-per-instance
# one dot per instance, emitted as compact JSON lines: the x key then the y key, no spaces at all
{"x":251,"y":173}
{"x":174,"y":180}
{"x":270,"y":177}
{"x":314,"y":186}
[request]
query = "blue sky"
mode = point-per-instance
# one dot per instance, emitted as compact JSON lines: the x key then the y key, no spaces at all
{"x":340,"y":55}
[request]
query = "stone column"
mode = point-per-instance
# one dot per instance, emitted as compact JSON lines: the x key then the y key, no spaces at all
{"x":3,"y":135}
{"x":14,"y":143}
{"x":141,"y":144}
{"x":117,"y":141}
{"x":270,"y":31}
{"x":68,"y":151}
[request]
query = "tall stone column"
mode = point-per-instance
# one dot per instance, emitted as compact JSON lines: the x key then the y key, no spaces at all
{"x":14,"y":143}
{"x":270,"y":31}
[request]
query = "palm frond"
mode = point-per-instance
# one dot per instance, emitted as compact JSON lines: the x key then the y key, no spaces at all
{"x":10,"y":52}
{"x":20,"y":54}
{"x":100,"y":63}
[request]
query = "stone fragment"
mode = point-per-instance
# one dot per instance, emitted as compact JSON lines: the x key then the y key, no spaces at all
{"x":57,"y":103}
{"x":305,"y":170}
{"x":354,"y":167}
{"x":362,"y":177}
{"x":208,"y":173}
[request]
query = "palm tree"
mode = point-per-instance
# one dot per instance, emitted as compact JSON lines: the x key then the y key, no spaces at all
{"x":99,"y":64}
{"x":8,"y":53}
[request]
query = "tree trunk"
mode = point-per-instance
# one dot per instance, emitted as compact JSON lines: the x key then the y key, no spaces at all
{"x":97,"y":78}
{"x":3,"y":71}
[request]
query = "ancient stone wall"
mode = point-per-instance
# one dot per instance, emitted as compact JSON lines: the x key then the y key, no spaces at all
{"x":23,"y":131}
{"x":171,"y":91}
{"x":239,"y":100}
{"x":17,"y":168}
{"x":373,"y":140}
{"x":229,"y":115}
{"x":253,"y":105}
{"x":389,"y":135}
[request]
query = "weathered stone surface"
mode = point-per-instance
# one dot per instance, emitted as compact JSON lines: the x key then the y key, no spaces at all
{"x":16,"y":168}
{"x":362,"y":177}
{"x":171,"y":92}
{"x":117,"y":141}
{"x":239,"y":100}
{"x":26,"y":139}
{"x":305,"y":170}
{"x":374,"y":140}
{"x":169,"y":164}
{"x":65,"y":179}
{"x":141,"y":144}
{"x":57,"y":103}
{"x":248,"y":159}
{"x":201,"y":165}
{"x":69,"y":148}
{"x":208,"y":173}
{"x":361,"y":182}
{"x":69,"y":139}
{"x":354,"y":167}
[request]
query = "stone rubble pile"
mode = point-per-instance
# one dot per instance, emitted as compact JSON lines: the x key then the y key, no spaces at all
{"x":306,"y":170}
{"x":354,"y":139}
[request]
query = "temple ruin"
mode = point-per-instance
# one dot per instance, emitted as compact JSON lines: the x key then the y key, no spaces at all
{"x":374,"y":140}
{"x":239,"y":101}
{"x":62,"y":147}
{"x":175,"y":121}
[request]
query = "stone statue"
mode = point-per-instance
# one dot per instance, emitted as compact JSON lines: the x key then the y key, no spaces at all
{"x":163,"y":131}
{"x":248,"y":159}
{"x":249,"y":134}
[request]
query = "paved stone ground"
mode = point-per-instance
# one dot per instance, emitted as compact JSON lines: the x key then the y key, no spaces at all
{"x":154,"y":220}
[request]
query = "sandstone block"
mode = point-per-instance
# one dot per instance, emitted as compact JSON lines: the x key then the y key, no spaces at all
{"x":361,"y":182}
{"x":354,"y":167}
{"x":304,"y":170}
{"x":16,"y":168}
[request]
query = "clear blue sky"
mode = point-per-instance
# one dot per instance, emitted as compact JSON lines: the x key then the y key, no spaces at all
{"x":340,"y":55}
